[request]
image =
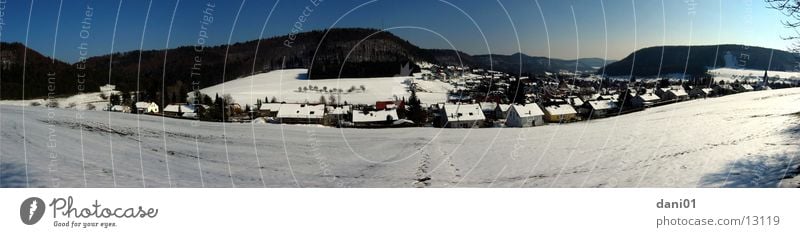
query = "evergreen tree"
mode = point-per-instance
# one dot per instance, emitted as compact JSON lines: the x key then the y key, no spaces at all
{"x":114,"y":99}
{"x":247,"y":111}
{"x":415,"y":112}
{"x":133,"y":108}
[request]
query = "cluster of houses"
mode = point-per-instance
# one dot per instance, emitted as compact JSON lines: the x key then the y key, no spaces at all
{"x":382,"y":114}
{"x":541,"y":101}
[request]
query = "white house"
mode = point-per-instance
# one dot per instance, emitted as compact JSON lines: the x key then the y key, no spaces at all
{"x":575,"y":101}
{"x":380,"y":118}
{"x":600,"y":108}
{"x":182,"y":110}
{"x":269,"y":109}
{"x":463,"y":115}
{"x":301,"y":113}
{"x":337,"y":110}
{"x":744,"y":87}
{"x":525,"y":116}
{"x":107,"y":88}
{"x":146,"y":107}
{"x":698,"y":92}
{"x":335,"y":114}
{"x":560,"y":113}
{"x":501,"y":111}
{"x":645,"y":100}
{"x":488,"y":109}
{"x":121,"y":108}
{"x":672,"y":93}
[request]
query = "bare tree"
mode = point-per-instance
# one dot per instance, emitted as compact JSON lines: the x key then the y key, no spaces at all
{"x":791,"y":9}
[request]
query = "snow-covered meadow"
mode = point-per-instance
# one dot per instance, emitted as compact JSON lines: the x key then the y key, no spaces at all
{"x":291,"y":86}
{"x":750,"y":75}
{"x":742,"y":140}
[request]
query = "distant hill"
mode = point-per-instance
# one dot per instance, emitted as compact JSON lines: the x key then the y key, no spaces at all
{"x":36,"y":69}
{"x":535,"y":64}
{"x":372,"y":53}
{"x":677,"y":59}
{"x":511,"y":63}
{"x":451,"y":57}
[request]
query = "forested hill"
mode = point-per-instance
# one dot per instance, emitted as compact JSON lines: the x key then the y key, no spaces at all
{"x":347,"y":52}
{"x":350,"y":52}
{"x":694,"y":60}
{"x":42,"y":75}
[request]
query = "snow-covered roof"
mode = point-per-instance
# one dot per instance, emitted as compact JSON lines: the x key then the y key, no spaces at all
{"x":270,"y":106}
{"x":575,"y":101}
{"x":678,"y":93}
{"x":338,"y":109}
{"x":184,"y":108}
{"x":504,"y":107}
{"x":725,"y":86}
{"x":463,"y":112}
{"x":746,"y":86}
{"x":107,"y":88}
{"x":144,"y":104}
{"x":374,"y":116}
{"x":602,"y":104}
{"x":528,"y":110}
{"x":301,"y":111}
{"x":649,"y":97}
{"x":561,"y":109}
{"x":119,"y":108}
{"x":488,"y":106}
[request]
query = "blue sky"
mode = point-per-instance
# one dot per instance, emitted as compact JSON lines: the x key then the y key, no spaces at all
{"x":476,"y":27}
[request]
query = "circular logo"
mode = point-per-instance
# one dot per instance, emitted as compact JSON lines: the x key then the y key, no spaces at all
{"x":31,"y":210}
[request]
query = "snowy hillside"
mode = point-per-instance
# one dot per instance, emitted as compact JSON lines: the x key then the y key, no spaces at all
{"x":292,"y":86}
{"x":742,"y":140}
{"x":83,"y":101}
{"x":732,"y":74}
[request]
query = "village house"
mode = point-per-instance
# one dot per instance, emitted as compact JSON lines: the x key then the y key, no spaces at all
{"x":525,"y":116}
{"x":301,"y":113}
{"x":743,"y":87}
{"x":182,"y":110}
{"x":107,"y":88}
{"x":269,"y":110}
{"x":501,"y":111}
{"x":560,"y":113}
{"x":120,"y":108}
{"x":374,"y":119}
{"x":645,"y":100}
{"x":575,"y":101}
{"x":462,"y":115}
{"x":723,"y":89}
{"x":601,"y":108}
{"x":698,"y":92}
{"x":388,"y":104}
{"x":335,"y":114}
{"x":488,"y":109}
{"x":672,"y":93}
{"x":146,"y":107}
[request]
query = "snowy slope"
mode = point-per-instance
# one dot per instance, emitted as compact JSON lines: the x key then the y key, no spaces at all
{"x":742,"y":140}
{"x":78,"y":101}
{"x":732,"y":74}
{"x":284,"y":84}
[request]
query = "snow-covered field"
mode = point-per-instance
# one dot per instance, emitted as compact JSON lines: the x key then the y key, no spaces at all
{"x":284,"y":84}
{"x":742,"y":140}
{"x":732,"y":74}
{"x":84,"y":101}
